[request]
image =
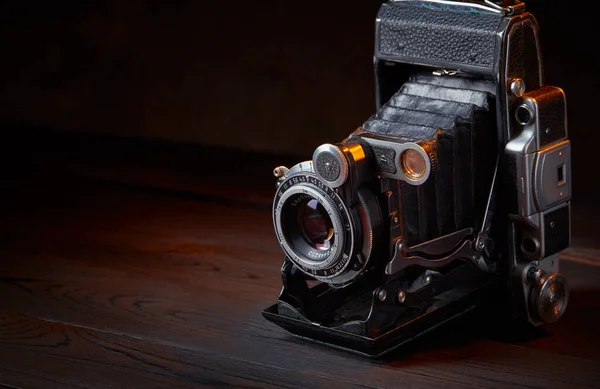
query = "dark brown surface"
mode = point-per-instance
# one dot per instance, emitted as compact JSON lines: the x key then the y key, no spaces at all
{"x":117,"y":274}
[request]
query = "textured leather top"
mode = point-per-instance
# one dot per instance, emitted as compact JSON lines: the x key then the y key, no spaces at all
{"x":420,"y":33}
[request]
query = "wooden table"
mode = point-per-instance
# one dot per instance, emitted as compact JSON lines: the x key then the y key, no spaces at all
{"x":141,"y":267}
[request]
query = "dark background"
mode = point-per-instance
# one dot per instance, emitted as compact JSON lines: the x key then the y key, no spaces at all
{"x":276,"y":76}
{"x":137,"y":141}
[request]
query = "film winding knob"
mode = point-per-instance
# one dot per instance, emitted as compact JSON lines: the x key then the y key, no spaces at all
{"x":549,"y":297}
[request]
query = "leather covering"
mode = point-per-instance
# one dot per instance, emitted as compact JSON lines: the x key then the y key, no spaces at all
{"x":424,"y":33}
{"x":453,"y":116}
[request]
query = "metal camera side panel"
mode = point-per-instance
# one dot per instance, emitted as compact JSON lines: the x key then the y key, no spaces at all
{"x":540,"y":154}
{"x":537,"y":173}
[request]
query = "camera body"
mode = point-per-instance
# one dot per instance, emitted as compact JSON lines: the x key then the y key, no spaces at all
{"x":455,"y":192}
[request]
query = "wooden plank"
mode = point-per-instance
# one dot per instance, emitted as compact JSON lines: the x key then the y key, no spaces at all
{"x":481,"y":364}
{"x":240,"y":332}
{"x":148,"y":292}
{"x":186,"y":280}
{"x":151,"y":268}
{"x":38,"y":353}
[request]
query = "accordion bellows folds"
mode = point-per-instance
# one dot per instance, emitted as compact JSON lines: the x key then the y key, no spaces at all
{"x":455,"y":116}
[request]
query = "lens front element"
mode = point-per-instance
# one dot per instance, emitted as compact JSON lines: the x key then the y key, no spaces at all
{"x":315,"y":224}
{"x":309,"y":221}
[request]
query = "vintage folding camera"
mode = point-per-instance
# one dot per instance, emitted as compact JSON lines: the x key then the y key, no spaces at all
{"x":456,"y":193}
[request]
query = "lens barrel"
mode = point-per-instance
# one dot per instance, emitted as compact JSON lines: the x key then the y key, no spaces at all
{"x":318,"y":231}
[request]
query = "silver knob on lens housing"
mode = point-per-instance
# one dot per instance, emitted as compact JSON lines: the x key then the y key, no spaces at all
{"x":280,"y":171}
{"x":331,"y":165}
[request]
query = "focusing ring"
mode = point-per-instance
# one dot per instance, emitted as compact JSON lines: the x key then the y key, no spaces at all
{"x":312,"y":258}
{"x":329,"y":265}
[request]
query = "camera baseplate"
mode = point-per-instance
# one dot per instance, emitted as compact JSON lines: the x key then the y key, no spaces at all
{"x":371,"y":318}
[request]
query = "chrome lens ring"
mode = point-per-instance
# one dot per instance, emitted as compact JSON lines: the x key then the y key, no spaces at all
{"x":324,"y":265}
{"x":310,"y":258}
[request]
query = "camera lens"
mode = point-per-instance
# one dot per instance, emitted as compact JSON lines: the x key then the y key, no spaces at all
{"x":309,"y":223}
{"x":315,"y":224}
{"x":319,"y":234}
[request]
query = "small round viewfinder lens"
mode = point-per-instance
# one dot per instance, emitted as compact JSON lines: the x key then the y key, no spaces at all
{"x":413,"y":164}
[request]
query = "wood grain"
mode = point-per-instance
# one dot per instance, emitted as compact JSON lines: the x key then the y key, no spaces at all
{"x":110,"y":285}
{"x":90,"y":358}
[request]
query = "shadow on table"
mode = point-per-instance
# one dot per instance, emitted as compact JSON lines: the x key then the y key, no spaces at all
{"x":575,"y":334}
